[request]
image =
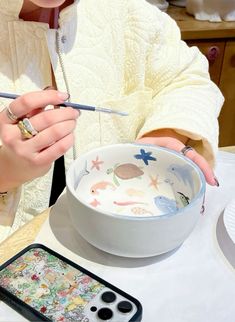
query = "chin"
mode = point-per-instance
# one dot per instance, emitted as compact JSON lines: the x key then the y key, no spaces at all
{"x":48,"y":3}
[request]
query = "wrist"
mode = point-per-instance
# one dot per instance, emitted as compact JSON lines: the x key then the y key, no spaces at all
{"x":8,"y":177}
{"x":168,"y":133}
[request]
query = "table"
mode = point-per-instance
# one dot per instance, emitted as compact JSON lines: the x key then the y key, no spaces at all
{"x":27,"y":234}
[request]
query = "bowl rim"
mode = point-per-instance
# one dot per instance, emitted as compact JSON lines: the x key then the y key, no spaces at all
{"x":199,"y":194}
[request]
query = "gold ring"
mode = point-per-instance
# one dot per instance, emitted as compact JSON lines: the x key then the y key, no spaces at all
{"x":24,"y":132}
{"x":11,"y":115}
{"x":186,"y":149}
{"x":29,"y":127}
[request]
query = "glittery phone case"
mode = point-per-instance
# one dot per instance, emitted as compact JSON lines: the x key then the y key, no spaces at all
{"x":42,"y":285}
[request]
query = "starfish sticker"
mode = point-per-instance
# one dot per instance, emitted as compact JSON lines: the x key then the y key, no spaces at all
{"x":95,"y":203}
{"x":96,"y":163}
{"x":154,"y":182}
{"x":145,"y":156}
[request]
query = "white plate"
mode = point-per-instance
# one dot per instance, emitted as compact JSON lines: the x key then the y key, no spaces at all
{"x":229,"y":219}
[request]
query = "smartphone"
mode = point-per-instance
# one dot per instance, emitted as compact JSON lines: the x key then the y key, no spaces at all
{"x":42,"y":285}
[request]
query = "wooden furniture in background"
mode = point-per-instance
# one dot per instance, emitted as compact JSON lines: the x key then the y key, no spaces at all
{"x":217,"y":42}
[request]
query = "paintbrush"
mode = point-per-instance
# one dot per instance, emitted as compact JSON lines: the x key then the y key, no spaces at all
{"x":75,"y":105}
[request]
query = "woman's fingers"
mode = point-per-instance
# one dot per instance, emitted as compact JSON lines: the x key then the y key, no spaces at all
{"x":51,"y":126}
{"x":51,"y":135}
{"x":37,"y":137}
{"x":177,"y":145}
{"x":27,"y":103}
{"x":47,"y":118}
{"x":54,"y":151}
{"x":44,"y":120}
{"x":204,"y":166}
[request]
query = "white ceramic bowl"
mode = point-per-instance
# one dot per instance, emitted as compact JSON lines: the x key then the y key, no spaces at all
{"x":134,"y":200}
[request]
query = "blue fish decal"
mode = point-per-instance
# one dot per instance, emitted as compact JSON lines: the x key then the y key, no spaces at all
{"x":145,"y":156}
{"x":182,"y":173}
{"x":165,"y":205}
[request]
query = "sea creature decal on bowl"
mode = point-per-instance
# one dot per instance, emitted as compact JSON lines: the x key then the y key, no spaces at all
{"x":96,"y":163}
{"x":136,"y":187}
{"x":101,"y":185}
{"x":184,"y":199}
{"x":94,"y":203}
{"x":154,"y":181}
{"x":165,"y":205}
{"x":149,"y":195}
{"x":139,"y":211}
{"x":132,"y":192}
{"x":182,"y":173}
{"x":145,"y":156}
{"x":125,"y":171}
{"x":128,"y":203}
{"x":82,"y":173}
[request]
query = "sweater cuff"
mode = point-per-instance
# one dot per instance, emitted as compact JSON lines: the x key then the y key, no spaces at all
{"x":203,"y":136}
{"x":8,"y":205}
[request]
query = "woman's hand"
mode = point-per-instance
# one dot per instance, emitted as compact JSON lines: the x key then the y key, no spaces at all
{"x":25,"y":159}
{"x":174,"y":141}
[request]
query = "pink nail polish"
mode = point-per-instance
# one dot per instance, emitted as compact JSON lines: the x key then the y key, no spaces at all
{"x":63,"y":96}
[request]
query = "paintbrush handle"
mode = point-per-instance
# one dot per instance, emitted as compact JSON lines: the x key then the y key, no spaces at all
{"x":74,"y":105}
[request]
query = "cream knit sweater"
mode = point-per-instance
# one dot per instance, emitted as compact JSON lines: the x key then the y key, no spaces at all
{"x":123,"y":54}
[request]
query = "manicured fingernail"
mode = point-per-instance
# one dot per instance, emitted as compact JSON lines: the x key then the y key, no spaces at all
{"x":63,"y":96}
{"x":78,"y":113}
{"x":216,"y":182}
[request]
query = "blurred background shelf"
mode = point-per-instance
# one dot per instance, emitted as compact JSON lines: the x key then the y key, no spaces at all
{"x":216,"y":40}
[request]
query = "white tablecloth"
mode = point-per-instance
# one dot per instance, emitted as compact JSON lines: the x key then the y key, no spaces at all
{"x":195,"y":283}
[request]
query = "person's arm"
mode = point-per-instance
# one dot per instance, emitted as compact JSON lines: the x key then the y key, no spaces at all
{"x":22,"y":160}
{"x":172,"y":140}
{"x":9,"y":198}
{"x":184,"y":99}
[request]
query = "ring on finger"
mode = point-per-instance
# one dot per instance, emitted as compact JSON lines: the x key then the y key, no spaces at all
{"x":26,"y":129}
{"x":29,"y":127}
{"x":11,"y":115}
{"x":186,"y":149}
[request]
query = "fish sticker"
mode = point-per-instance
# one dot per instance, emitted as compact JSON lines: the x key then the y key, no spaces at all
{"x":165,"y":205}
{"x":184,"y":199}
{"x":102,"y":185}
{"x":182,"y":173}
{"x":145,"y":156}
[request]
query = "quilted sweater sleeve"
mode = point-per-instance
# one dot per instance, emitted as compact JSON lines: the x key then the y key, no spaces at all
{"x":8,"y":206}
{"x":183,"y":96}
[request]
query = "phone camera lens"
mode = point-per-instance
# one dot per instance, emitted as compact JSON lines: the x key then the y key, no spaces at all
{"x":124,"y":306}
{"x":108,"y":297}
{"x":105,"y":313}
{"x":93,"y":308}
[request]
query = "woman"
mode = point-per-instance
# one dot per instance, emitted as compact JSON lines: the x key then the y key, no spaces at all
{"x":122,"y":54}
